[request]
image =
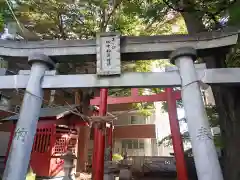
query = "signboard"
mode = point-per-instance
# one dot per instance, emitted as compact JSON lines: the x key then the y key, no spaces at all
{"x":108,"y":54}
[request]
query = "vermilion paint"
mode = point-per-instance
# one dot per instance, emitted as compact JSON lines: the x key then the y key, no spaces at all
{"x":176,"y":136}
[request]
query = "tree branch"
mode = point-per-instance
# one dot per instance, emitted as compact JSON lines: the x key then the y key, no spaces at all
{"x":181,"y":9}
{"x":225,"y":7}
{"x":60,"y":26}
{"x":193,"y":9}
{"x":162,"y":23}
{"x":102,"y":22}
{"x":116,"y":5}
{"x":171,"y":6}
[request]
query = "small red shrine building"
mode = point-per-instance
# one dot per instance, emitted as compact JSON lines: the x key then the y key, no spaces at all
{"x":56,"y":133}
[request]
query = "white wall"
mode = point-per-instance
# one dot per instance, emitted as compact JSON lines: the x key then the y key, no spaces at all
{"x":150,"y":148}
{"x":162,"y":129}
{"x":135,"y":152}
{"x":125,"y":119}
{"x":117,"y":147}
{"x":154,"y":147}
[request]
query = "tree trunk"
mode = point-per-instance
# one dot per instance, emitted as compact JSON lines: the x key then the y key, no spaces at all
{"x":228,"y":105}
{"x":83,"y":100}
{"x":227,"y":100}
{"x":193,"y":23}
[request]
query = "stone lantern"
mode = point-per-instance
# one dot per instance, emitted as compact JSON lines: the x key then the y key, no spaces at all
{"x":68,"y":166}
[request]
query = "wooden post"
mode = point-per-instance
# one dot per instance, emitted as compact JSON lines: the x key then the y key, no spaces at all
{"x":83,"y":133}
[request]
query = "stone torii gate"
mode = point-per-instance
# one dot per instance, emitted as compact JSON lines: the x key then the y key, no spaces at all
{"x":110,"y":49}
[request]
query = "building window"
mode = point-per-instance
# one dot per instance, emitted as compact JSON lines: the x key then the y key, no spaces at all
{"x":137,"y":120}
{"x":129,"y":144}
{"x":124,"y":144}
{"x":141,"y":144}
{"x":133,"y":119}
{"x":133,"y":144}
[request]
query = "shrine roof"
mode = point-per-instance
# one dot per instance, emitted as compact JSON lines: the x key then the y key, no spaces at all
{"x":57,"y":112}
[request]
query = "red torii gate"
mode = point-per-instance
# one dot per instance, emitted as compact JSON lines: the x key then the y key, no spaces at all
{"x":135,"y":98}
{"x":99,"y":138}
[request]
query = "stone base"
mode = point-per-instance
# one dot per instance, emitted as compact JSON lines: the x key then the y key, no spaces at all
{"x":109,"y":177}
{"x":125,"y":174}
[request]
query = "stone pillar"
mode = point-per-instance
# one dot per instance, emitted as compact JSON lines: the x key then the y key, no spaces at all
{"x":204,"y":151}
{"x":25,"y":131}
{"x":68,"y":165}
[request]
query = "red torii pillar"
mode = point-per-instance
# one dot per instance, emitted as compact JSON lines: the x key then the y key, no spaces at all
{"x":176,"y":136}
{"x":99,"y":139}
{"x":171,"y":98}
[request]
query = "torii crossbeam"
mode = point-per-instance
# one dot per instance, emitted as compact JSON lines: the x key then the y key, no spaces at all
{"x":126,"y":80}
{"x":109,"y":50}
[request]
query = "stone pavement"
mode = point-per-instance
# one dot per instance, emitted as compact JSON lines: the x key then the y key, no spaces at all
{"x":84,"y":176}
